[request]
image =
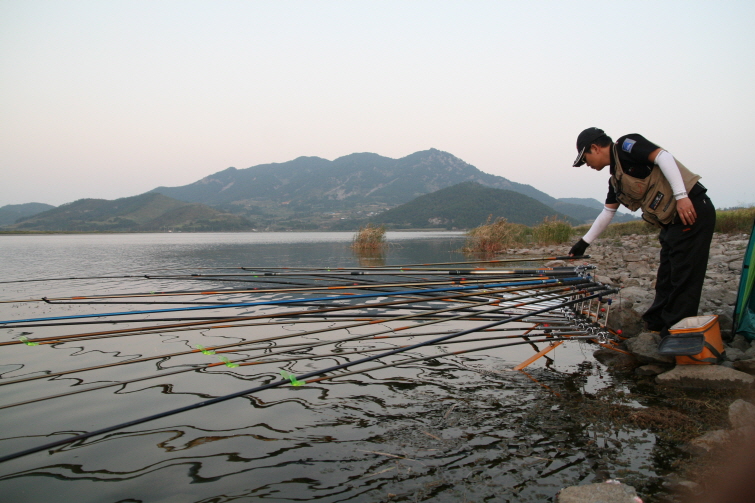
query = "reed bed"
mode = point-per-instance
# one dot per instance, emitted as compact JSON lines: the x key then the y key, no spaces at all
{"x":552,"y":231}
{"x":369,"y":238}
{"x":500,"y":235}
{"x":735,"y":221}
{"x":494,"y":237}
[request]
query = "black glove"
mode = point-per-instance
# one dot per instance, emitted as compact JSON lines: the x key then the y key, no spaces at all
{"x":579,"y":248}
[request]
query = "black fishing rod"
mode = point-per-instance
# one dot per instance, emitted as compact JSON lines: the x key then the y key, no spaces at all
{"x":275,"y":384}
{"x":332,"y":354}
{"x":492,"y":261}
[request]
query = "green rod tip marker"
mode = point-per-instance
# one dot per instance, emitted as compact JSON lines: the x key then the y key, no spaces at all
{"x":292,"y":378}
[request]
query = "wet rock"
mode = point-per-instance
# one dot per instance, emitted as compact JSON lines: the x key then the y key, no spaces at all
{"x":708,"y":442}
{"x":689,"y":487}
{"x":705,"y":376}
{"x":645,"y":348}
{"x":651,"y":370}
{"x":742,"y":414}
{"x":747,"y":366}
{"x":615,"y":359}
{"x":598,"y":493}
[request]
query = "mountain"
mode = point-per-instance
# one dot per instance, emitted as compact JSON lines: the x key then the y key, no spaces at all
{"x":13,"y":212}
{"x":144,"y":213}
{"x":467,"y":205}
{"x":356,"y":182}
{"x":584,"y":201}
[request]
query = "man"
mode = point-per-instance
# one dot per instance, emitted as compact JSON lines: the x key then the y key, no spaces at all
{"x":645,"y":176}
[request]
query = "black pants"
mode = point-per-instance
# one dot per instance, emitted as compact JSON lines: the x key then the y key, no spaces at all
{"x":684,"y":261}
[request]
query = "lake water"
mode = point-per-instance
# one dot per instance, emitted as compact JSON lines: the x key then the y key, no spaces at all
{"x":462,"y":428}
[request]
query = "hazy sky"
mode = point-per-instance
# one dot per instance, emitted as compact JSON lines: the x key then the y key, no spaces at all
{"x":109,"y":99}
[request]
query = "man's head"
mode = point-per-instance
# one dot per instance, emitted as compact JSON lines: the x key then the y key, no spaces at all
{"x":593,"y":145}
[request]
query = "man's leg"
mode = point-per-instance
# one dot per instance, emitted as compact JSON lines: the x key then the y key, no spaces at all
{"x":653,"y":316}
{"x":689,"y":247}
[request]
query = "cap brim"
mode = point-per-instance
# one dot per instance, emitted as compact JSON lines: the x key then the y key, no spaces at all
{"x":580,"y":160}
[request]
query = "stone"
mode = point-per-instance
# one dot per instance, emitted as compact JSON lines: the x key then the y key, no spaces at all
{"x":741,"y":414}
{"x":708,"y":442}
{"x":633,"y":257}
{"x":615,"y":359}
{"x":705,"y":376}
{"x":604,"y":279}
{"x":747,"y":366}
{"x":740,"y":343}
{"x":645,"y":348}
{"x":598,"y":493}
{"x":725,"y":321}
{"x":734,"y":354}
{"x":650,"y":370}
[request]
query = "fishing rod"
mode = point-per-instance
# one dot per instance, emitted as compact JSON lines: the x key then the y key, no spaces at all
{"x":354,"y":286}
{"x":201,"y":325}
{"x":381,"y":272}
{"x":374,"y":335}
{"x":268,"y":339}
{"x":166,"y":356}
{"x":244,"y":318}
{"x":141,"y":276}
{"x":332,"y":354}
{"x":493,"y":261}
{"x":274,"y":384}
{"x":286,"y":301}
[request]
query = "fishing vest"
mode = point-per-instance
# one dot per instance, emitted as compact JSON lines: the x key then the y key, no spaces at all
{"x":653,"y":194}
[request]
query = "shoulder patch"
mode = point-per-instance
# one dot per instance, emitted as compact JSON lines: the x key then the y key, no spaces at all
{"x":627,"y":145}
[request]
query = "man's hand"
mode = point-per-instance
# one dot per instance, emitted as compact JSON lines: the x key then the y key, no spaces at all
{"x":578,"y":249}
{"x":686,"y":211}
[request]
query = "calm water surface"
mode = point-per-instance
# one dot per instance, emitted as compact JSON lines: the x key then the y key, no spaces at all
{"x":463,"y":428}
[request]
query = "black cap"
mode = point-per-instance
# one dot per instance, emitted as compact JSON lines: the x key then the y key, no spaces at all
{"x":584,"y":140}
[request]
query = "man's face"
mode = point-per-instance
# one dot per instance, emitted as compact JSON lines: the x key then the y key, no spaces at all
{"x":598,"y":157}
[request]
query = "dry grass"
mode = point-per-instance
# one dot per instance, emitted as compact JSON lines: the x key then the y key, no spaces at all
{"x":552,"y":232}
{"x":369,"y":239}
{"x":493,"y":238}
{"x":735,"y":221}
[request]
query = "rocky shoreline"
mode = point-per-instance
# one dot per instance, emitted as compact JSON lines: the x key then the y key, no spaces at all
{"x":630,"y":263}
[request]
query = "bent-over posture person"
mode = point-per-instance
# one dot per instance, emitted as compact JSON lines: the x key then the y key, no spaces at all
{"x":644,"y":176}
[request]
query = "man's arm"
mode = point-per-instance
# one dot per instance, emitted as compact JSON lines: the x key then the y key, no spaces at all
{"x":667,"y":164}
{"x":596,"y":229}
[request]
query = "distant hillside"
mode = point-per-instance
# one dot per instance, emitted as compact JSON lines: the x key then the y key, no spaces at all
{"x":144,"y":213}
{"x":356,"y":182}
{"x":467,"y":205}
{"x":584,"y":201}
{"x":10,"y":213}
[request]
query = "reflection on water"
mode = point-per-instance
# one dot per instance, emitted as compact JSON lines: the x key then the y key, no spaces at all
{"x":463,"y":428}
